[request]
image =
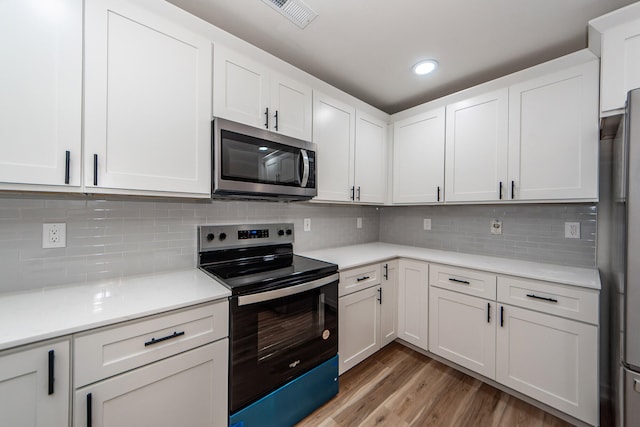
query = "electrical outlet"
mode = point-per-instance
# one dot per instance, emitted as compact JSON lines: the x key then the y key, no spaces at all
{"x":572,"y":230}
{"x":358,"y":222}
{"x":307,"y":224}
{"x":496,"y":226}
{"x":426,"y":224}
{"x":54,"y":235}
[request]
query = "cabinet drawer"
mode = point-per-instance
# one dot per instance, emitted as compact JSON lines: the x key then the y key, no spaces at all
{"x":560,"y":300}
{"x":355,"y":279}
{"x":110,"y":351}
{"x":470,"y":282}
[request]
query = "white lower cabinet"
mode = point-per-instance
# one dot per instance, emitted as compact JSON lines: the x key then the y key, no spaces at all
{"x":188,"y":389}
{"x":34,"y":386}
{"x":367,"y":319}
{"x":462,"y":330}
{"x":413,"y":302}
{"x":551,"y":359}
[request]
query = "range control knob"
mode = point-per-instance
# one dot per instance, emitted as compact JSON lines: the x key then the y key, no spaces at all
{"x":210,"y":237}
{"x":280,"y":232}
{"x":289,"y":232}
{"x":222,"y":236}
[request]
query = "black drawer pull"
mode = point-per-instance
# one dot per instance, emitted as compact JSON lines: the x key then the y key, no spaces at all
{"x":380,"y":295}
{"x":89,"y":410}
{"x":459,"y":281}
{"x":360,"y":279}
{"x":386,"y":272}
{"x":168,"y":337}
{"x":488,"y":312}
{"x":52,"y":357}
{"x":542,"y":298}
{"x":502,"y":316}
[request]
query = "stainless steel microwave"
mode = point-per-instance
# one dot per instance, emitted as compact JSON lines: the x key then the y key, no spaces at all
{"x":255,"y":163}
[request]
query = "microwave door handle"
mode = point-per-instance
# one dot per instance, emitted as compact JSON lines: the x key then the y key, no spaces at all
{"x":305,"y":168}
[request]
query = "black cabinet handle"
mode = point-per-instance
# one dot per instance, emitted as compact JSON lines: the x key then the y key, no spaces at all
{"x":438,"y":193}
{"x":451,"y":279}
{"x":542,"y":298}
{"x":89,"y":410}
{"x":513,"y":189}
{"x":52,"y":357}
{"x":488,"y":312}
{"x":360,"y":279}
{"x":353,"y":193}
{"x":276,"y":116}
{"x":501,"y":316}
{"x":500,"y":191}
{"x":168,"y":337}
{"x":358,"y":194}
{"x":266,"y":118}
{"x":380,"y":296}
{"x":95,"y":170}
{"x":386,"y":272}
{"x":67,"y":161}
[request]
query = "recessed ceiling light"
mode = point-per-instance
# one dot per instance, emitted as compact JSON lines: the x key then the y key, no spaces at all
{"x":263,"y":148}
{"x":425,"y":67}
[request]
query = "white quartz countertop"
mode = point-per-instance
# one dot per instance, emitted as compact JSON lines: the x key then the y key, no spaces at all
{"x":352,"y":256}
{"x":51,"y":312}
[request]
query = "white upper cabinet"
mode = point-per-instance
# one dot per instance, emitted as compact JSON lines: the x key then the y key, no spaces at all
{"x":476,"y":148}
{"x":418,"y":158}
{"x":147,"y":103}
{"x":248,"y":92}
{"x":41,"y":99}
{"x":616,"y":36}
{"x":334,"y":133}
{"x":553,"y":136}
{"x":370,"y":159}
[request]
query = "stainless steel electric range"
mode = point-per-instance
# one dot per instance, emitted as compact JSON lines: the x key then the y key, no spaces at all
{"x":283,"y":337}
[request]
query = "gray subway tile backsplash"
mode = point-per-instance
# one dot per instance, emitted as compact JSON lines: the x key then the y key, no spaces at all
{"x":114,"y":238}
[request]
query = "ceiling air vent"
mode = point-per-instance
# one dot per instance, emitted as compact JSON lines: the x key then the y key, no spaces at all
{"x":294,"y":10}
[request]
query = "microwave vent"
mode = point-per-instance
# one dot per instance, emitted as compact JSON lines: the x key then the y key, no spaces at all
{"x":295,"y":11}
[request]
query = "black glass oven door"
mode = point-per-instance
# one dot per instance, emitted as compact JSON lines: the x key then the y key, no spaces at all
{"x":277,"y":340}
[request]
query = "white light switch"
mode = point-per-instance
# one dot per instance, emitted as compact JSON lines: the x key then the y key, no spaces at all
{"x":358,"y":222}
{"x":426,"y":224}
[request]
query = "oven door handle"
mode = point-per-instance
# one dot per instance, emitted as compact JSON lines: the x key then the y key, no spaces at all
{"x":283,"y":292}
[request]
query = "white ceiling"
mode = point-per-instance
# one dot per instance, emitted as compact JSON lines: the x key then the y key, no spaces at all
{"x":367,"y":47}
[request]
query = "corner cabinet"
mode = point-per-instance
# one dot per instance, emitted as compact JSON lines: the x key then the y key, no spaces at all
{"x":248,"y":92}
{"x":367,"y":307}
{"x":41,"y":86}
{"x":34,"y":385}
{"x":418,"y":158}
{"x":352,"y":153}
{"x":413,"y":302}
{"x":147,"y":103}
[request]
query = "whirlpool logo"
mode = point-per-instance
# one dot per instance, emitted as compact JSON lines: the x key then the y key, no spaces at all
{"x":294,"y":364}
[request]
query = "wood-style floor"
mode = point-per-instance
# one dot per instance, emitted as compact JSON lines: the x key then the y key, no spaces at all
{"x":400,"y":387}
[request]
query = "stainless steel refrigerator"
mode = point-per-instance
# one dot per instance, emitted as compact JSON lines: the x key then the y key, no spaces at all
{"x":623,"y":276}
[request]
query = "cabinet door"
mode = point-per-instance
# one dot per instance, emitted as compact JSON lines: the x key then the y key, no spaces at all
{"x":370,"y":159}
{"x":27,"y":397}
{"x":550,"y":359}
{"x":189,"y":389}
{"x":358,"y":328}
{"x":413,"y":302}
{"x":476,"y":148}
{"x":553,"y":136}
{"x":389,"y":303}
{"x":147,"y":102}
{"x":334,"y":133}
{"x":418,"y":158}
{"x":41,"y":89}
{"x":291,"y":106}
{"x":240,"y":89}
{"x":462,"y":330}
